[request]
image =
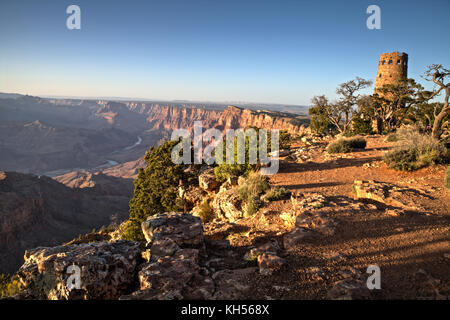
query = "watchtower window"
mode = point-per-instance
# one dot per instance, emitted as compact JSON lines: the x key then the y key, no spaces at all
{"x":379,"y":75}
{"x":398,"y":61}
{"x":384,"y":61}
{"x":390,"y":62}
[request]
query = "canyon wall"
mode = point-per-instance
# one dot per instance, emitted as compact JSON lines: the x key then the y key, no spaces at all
{"x":163,"y":117}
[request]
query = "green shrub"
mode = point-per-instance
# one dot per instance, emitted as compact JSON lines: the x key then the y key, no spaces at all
{"x":339,"y":146}
{"x":133,"y":232}
{"x":285,"y":140}
{"x":250,"y":191}
{"x":357,"y":143}
{"x":392,"y":137}
{"x":155,"y":189}
{"x":447,"y":179}
{"x":320,"y":123}
{"x":275,"y":194}
{"x":346,"y":145}
{"x":361,"y":126}
{"x":206,"y":213}
{"x":224,"y":171}
{"x":252,"y":207}
{"x":9,"y":285}
{"x":414,"y":151}
{"x":255,"y":185}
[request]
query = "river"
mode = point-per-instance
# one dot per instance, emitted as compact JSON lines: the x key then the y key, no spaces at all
{"x":109,"y":163}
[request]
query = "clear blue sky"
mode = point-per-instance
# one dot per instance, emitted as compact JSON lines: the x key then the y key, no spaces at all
{"x":260,"y":51}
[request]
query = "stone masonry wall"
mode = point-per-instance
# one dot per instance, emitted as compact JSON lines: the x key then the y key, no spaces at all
{"x":392,"y":67}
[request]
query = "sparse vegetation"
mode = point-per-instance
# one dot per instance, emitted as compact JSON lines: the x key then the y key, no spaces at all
{"x":319,"y":118}
{"x":9,"y":285}
{"x":155,"y":189}
{"x":133,"y":231}
{"x":275,"y":194}
{"x":415,"y":150}
{"x":392,"y":137}
{"x":361,"y":126}
{"x":392,"y":103}
{"x":346,"y":145}
{"x":250,"y":191}
{"x":225,"y":170}
{"x":206,"y":213}
{"x":340,"y":113}
{"x":285,"y":139}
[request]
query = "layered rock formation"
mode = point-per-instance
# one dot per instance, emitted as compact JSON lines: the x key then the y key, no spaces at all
{"x":44,"y":135}
{"x":106,"y":270}
{"x":180,"y":265}
{"x":39,"y":211}
{"x":172,"y":117}
{"x":404,"y":198}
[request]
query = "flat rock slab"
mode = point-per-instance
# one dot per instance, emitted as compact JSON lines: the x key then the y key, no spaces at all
{"x":184,"y":229}
{"x":106,"y":270}
{"x":389,"y":194}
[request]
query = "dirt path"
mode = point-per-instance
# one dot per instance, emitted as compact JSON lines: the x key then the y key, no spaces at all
{"x":412,"y":251}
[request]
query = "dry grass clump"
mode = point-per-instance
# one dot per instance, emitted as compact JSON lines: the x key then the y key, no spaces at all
{"x":346,"y":145}
{"x":414,"y":150}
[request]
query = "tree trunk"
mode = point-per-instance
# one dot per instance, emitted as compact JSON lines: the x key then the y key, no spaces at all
{"x":437,"y":130}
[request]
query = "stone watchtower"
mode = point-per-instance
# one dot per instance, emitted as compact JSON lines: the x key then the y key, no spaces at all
{"x":392,"y":68}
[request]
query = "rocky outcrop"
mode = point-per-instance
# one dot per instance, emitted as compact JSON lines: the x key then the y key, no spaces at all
{"x":173,"y":277}
{"x":175,"y":242}
{"x":39,"y":211}
{"x":107,"y":270}
{"x":177,"y":267}
{"x":227,"y":205}
{"x":170,"y":117}
{"x":351,"y":287}
{"x":389,"y":194}
{"x":308,"y":218}
{"x":269,"y":263}
{"x":182,"y":228}
{"x":207,"y":181}
{"x":191,"y":196}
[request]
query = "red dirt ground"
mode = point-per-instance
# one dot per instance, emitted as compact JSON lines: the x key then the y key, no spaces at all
{"x":413,"y":252}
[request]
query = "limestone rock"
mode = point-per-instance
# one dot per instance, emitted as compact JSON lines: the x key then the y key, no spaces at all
{"x":389,"y":194}
{"x":317,"y":222}
{"x":207,"y":181}
{"x":191,"y":196}
{"x":106,"y":270}
{"x":182,"y":228}
{"x":176,"y":277}
{"x":349,"y":289}
{"x":163,"y":248}
{"x":227,"y":205}
{"x":268,"y":263}
{"x":271,"y":247}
